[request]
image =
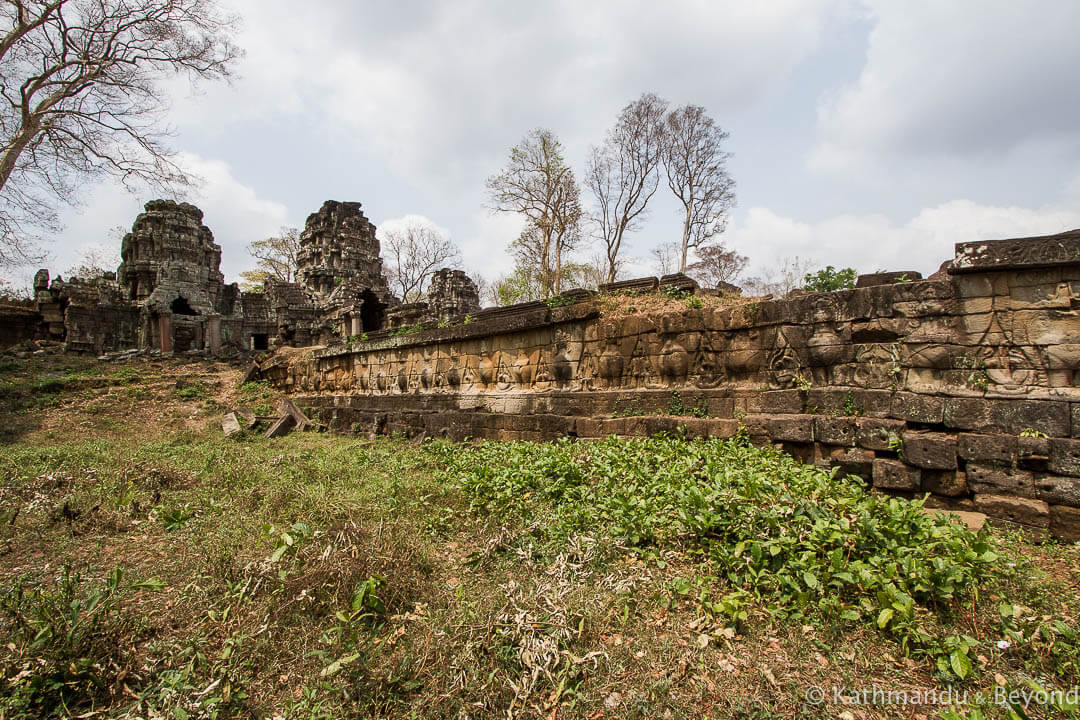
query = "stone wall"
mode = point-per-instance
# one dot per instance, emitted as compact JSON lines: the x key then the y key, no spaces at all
{"x":965,"y":385}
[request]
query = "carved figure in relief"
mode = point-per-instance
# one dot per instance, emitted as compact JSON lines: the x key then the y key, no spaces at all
{"x":523,"y":371}
{"x":785,"y":368}
{"x":707,"y":365}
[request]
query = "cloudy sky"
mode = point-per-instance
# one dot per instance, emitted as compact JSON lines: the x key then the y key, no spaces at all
{"x":865,"y":133}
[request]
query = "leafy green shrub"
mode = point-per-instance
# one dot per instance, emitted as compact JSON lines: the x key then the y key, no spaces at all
{"x":830,"y":279}
{"x":800,"y":540}
{"x":559,"y":301}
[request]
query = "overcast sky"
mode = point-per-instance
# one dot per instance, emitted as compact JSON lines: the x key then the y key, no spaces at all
{"x":866,"y":134}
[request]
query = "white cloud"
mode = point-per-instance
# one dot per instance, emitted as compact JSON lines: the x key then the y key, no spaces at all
{"x":233,"y":211}
{"x":442,"y":90}
{"x":956,"y":79}
{"x":872,"y":242}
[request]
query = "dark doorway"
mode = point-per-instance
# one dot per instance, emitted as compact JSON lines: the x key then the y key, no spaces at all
{"x":260,"y":341}
{"x":371,"y":312}
{"x":180,"y":306}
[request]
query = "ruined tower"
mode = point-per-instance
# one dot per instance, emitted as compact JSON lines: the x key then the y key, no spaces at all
{"x":339,"y":265}
{"x":170,"y":261}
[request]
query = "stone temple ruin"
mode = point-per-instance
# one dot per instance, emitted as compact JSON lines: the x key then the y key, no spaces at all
{"x":169,"y":295}
{"x":963,"y":387}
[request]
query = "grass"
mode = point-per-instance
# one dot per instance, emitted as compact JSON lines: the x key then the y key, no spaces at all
{"x":154,"y":568}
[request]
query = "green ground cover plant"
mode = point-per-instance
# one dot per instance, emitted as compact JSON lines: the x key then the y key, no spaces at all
{"x":150,"y":567}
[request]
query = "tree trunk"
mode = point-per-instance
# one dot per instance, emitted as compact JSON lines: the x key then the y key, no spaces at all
{"x":15,"y":148}
{"x":685,"y":240}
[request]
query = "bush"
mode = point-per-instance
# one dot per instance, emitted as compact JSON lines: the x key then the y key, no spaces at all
{"x":798,"y":539}
{"x":830,"y":279}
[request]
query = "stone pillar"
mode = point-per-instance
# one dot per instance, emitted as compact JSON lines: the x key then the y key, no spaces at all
{"x":165,"y":331}
{"x":213,"y":330}
{"x":357,"y":325}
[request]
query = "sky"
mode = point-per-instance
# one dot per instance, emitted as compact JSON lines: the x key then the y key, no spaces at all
{"x":863,"y":133}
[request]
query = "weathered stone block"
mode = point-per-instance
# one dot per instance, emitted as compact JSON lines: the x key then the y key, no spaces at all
{"x":1000,"y":481}
{"x":1017,"y":254}
{"x":974,"y":521}
{"x":722,"y":428}
{"x":1032,"y":449}
{"x":895,"y":475}
{"x":853,"y":461}
{"x":790,"y":428}
{"x":1075,"y":431}
{"x":933,"y":451}
{"x":834,"y":430}
{"x":1022,"y":511}
{"x":1065,"y":523}
{"x":781,"y":401}
{"x":1065,"y":456}
{"x":878,"y":433}
{"x":999,"y":449}
{"x":951,"y":483}
{"x":1010,"y":416}
{"x":1057,"y":489}
{"x":917,"y":408}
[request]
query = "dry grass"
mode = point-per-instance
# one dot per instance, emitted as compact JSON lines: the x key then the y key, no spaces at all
{"x":110,"y":467}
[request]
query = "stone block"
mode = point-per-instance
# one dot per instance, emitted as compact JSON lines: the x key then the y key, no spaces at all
{"x":1065,"y":456}
{"x":950,"y":483}
{"x":834,"y":430}
{"x":878,"y":433}
{"x":1029,"y":449}
{"x":1034,"y":514}
{"x":230,"y":424}
{"x":790,"y":428}
{"x":1065,"y":523}
{"x":1017,"y":254}
{"x":940,"y":502}
{"x":853,"y":461}
{"x":721,"y":428}
{"x":1008,"y":416}
{"x":997,"y":449}
{"x":1075,"y":425}
{"x":1057,"y":489}
{"x":917,"y":408}
{"x":781,"y":401}
{"x":895,"y":475}
{"x":1000,"y":481}
{"x":930,"y":450}
{"x":974,"y":521}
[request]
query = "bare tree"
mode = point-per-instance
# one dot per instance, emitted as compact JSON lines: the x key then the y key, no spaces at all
{"x":694,"y":161}
{"x":81,"y":97}
{"x":275,"y":257}
{"x":622,"y":173}
{"x":538,"y":184}
{"x":95,"y":261}
{"x":666,"y":258}
{"x":485,"y":289}
{"x":780,"y":280}
{"x":414,"y":249}
{"x":716,"y":264}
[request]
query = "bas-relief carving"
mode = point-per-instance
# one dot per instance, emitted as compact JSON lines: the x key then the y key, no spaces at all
{"x":786,"y":368}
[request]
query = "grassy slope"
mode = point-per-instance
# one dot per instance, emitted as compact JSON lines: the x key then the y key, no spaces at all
{"x":316,"y":576}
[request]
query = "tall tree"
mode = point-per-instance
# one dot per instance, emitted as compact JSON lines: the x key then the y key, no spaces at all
{"x":622,"y":173}
{"x":538,"y":184}
{"x":695,"y":164}
{"x":81,"y":96}
{"x":716,"y":264}
{"x":275,"y":257}
{"x":414,"y":249}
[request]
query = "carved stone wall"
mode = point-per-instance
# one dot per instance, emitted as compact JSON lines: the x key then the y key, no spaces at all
{"x":965,"y":386}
